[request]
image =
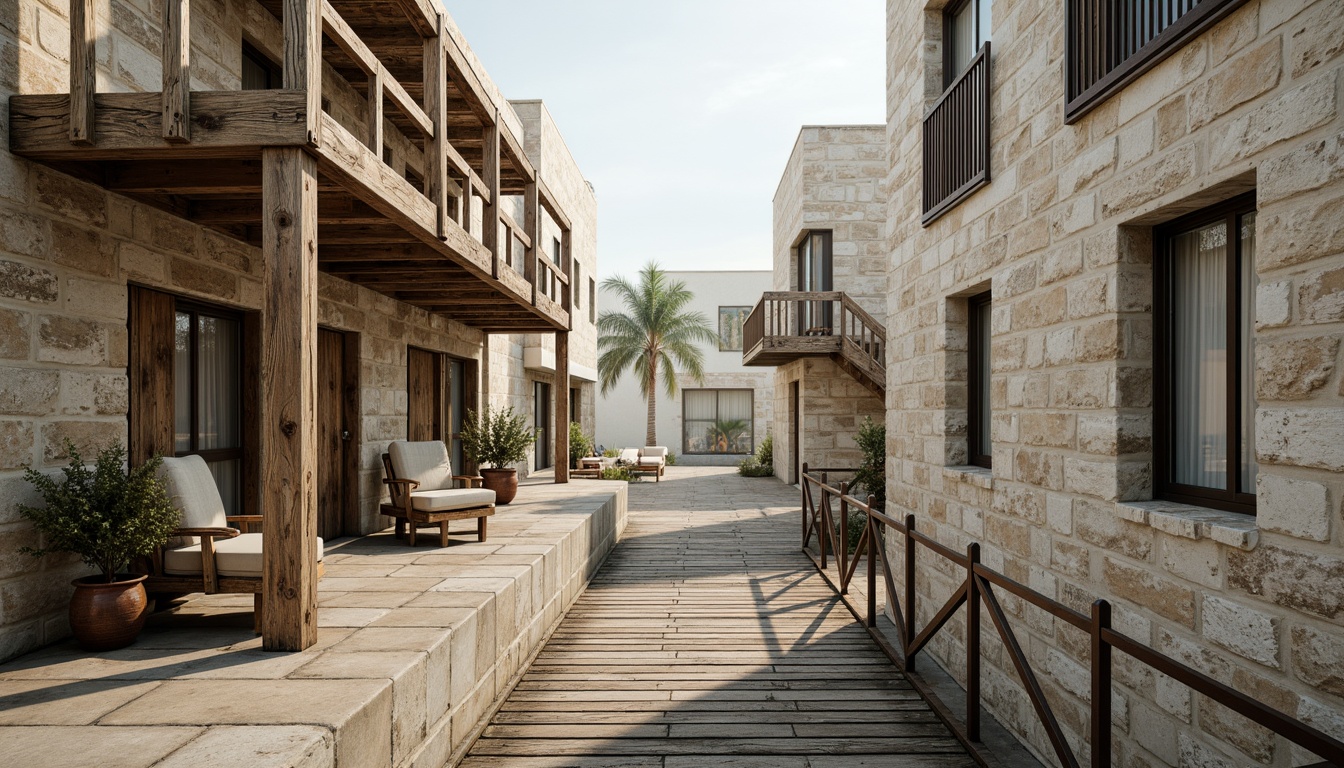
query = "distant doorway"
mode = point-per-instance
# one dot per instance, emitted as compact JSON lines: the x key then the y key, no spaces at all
{"x":541,"y":419}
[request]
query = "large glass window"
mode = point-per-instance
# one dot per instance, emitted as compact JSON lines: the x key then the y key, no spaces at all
{"x":207,"y":397}
{"x":1205,"y":417}
{"x":967,"y":28}
{"x":717,"y":421}
{"x":978,"y":443}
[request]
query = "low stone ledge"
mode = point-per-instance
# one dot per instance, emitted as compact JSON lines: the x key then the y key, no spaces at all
{"x":414,"y":648}
{"x":1191,"y":522}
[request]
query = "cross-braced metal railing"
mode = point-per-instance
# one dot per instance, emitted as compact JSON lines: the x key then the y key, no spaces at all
{"x":979,"y":589}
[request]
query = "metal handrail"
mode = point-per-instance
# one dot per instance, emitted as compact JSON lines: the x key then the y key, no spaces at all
{"x":979,"y":589}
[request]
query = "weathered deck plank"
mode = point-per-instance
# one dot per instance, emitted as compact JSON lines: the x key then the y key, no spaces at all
{"x":708,"y":640}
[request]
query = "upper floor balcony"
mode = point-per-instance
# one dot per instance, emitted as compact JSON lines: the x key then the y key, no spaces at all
{"x":423,"y":190}
{"x":787,"y":325}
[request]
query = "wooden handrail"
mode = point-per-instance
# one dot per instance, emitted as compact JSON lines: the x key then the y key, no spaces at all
{"x":978,"y":589}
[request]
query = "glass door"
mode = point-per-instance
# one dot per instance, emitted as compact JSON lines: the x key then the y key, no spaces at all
{"x":541,"y":419}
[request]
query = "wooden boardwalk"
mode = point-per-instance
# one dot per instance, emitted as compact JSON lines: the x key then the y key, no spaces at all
{"x":707,"y":639}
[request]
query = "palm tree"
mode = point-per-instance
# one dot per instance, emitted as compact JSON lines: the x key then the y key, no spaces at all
{"x":653,"y":338}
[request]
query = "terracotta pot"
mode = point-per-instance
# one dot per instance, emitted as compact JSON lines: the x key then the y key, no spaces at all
{"x":504,"y":482}
{"x":105,"y":616}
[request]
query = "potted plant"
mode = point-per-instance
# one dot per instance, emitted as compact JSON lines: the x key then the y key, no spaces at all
{"x":108,"y":517}
{"x":495,"y":440}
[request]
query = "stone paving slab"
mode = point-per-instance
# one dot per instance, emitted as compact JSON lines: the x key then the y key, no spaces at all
{"x":414,"y":646}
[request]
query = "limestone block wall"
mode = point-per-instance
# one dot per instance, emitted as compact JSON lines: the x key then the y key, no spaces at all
{"x":833,"y":406}
{"x":834,"y":181}
{"x":69,"y":250}
{"x":1062,"y":236}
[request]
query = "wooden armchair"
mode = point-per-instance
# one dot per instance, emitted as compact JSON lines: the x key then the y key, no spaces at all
{"x":207,"y":553}
{"x":422,"y":487}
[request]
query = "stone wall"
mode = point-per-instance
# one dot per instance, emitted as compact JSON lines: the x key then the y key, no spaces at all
{"x":1062,"y":236}
{"x":834,"y":181}
{"x":69,"y":250}
{"x":834,"y":405}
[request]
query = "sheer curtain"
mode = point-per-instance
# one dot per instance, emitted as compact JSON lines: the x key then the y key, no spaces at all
{"x":735,"y":420}
{"x":219,"y":401}
{"x":1199,"y":360}
{"x":701,"y":411}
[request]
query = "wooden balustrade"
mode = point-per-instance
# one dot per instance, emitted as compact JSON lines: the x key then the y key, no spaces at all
{"x":798,"y":323}
{"x":980,"y":588}
{"x":956,"y":140}
{"x":1109,"y":43}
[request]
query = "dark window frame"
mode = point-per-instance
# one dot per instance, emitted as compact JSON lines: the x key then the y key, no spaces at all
{"x":1229,"y":500}
{"x":274,"y":73}
{"x":978,"y":382}
{"x":195,"y":310}
{"x":810,"y":312}
{"x":751,"y":428}
{"x":1081,"y":17}
{"x":952,"y":72}
{"x":543,"y":457}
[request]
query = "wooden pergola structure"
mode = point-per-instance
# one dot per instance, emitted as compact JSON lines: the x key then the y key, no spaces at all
{"x":272,"y":168}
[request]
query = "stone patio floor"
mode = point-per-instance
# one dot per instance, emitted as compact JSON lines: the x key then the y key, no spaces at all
{"x":414,"y":646}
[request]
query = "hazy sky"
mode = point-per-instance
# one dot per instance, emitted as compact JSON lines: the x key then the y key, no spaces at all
{"x":682,"y":113}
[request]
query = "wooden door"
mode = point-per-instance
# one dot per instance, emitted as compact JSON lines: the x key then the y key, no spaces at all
{"x":424,"y":395}
{"x":335,"y":438}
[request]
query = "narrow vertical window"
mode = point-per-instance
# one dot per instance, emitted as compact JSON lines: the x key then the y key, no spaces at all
{"x":541,"y":419}
{"x":1205,"y":395}
{"x":966,"y":27}
{"x":207,"y":407}
{"x":978,"y":443}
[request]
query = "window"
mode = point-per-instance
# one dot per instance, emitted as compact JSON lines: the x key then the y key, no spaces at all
{"x":592,"y":301}
{"x":1204,"y":417}
{"x":461,"y":392}
{"x":966,"y":27}
{"x":207,"y":394}
{"x":814,"y":275}
{"x":1109,"y":44}
{"x":575,"y":400}
{"x":731,"y":320}
{"x":541,"y":419}
{"x":576,"y":280}
{"x":717,"y":421}
{"x":259,"y":72}
{"x":979,"y":447}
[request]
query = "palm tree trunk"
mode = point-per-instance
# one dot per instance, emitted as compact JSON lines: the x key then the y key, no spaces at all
{"x":650,"y":430}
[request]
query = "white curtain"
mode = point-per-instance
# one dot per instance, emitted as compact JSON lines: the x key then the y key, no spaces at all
{"x":217,"y":387}
{"x":1199,"y":403}
{"x":182,"y":383}
{"x":701,"y":411}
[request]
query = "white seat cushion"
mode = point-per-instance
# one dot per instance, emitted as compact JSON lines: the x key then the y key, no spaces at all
{"x":236,"y":557}
{"x":425,"y":462}
{"x":629,"y":455}
{"x":650,"y":461}
{"x":450,"y":499}
{"x":654,"y":452}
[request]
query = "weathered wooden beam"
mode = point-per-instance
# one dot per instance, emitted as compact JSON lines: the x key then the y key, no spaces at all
{"x":515,"y":229}
{"x":302,"y":66}
{"x":552,"y":205}
{"x":331,"y":209}
{"x":473,"y":92}
{"x":436,"y":105}
{"x":335,"y":27}
{"x":199,"y":177}
{"x":490,"y":213}
{"x":422,"y":14}
{"x":83,"y":73}
{"x":289,"y":400}
{"x":517,"y":156}
{"x":177,"y":70}
{"x":396,"y":92}
{"x":130,"y":125}
{"x":531,"y":227}
{"x":561,"y":390}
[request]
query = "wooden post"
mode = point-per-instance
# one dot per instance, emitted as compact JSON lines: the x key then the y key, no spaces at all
{"x":562,"y":406}
{"x":83,"y":70}
{"x":303,"y":57}
{"x":289,"y":399}
{"x":972,"y":644}
{"x":490,"y":208}
{"x":177,"y":70}
{"x":567,"y":259}
{"x":1101,"y":686}
{"x":464,"y":204}
{"x":532,"y":226}
{"x":376,"y":111}
{"x":909,"y":617}
{"x":436,"y":106}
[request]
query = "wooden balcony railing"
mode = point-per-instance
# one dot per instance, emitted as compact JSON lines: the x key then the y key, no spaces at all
{"x":826,"y":508}
{"x":956,"y":140}
{"x":803,"y":323}
{"x":1109,"y":43}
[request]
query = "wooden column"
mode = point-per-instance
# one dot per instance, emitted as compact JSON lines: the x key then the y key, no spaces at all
{"x":83,"y":70}
{"x":567,"y":257}
{"x":490,"y":208}
{"x":464,"y":205}
{"x":436,"y":106}
{"x":531,"y":226}
{"x":376,"y":111}
{"x":289,"y":400}
{"x":562,"y":406}
{"x":302,"y":66}
{"x":177,"y":70}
